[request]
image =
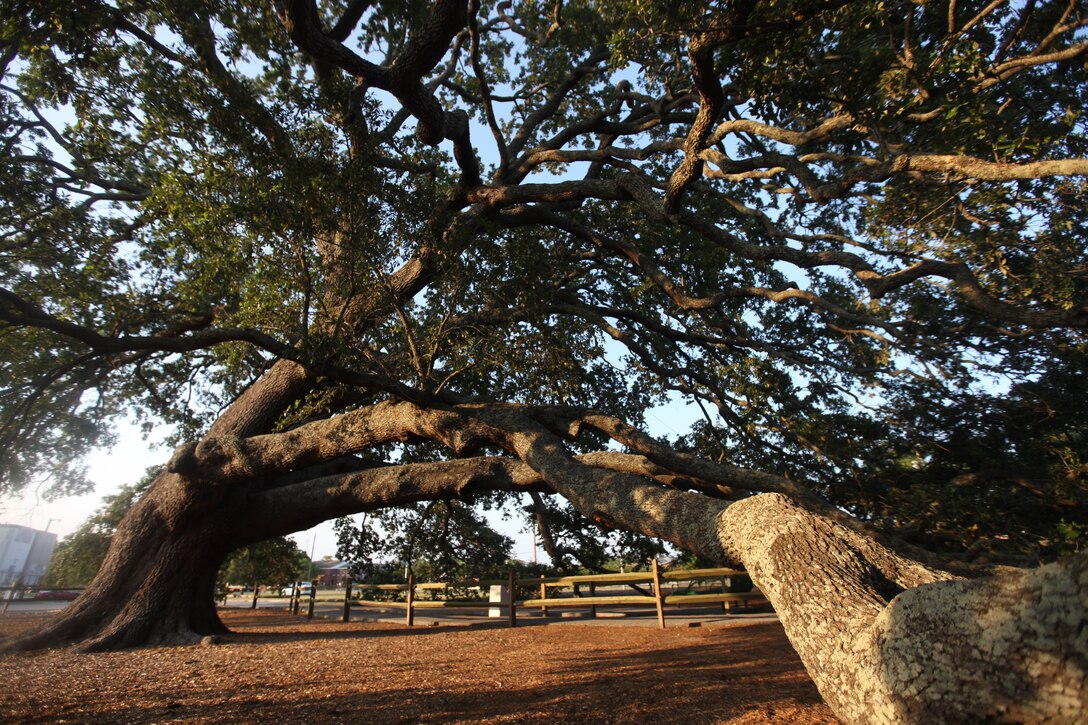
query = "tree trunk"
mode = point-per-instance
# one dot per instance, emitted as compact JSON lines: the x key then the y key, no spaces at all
{"x":888,"y":640}
{"x":157,"y":583}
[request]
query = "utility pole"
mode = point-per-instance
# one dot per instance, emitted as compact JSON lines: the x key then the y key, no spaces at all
{"x":310,"y":568}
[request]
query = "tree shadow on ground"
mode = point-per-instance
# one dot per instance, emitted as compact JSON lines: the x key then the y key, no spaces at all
{"x":290,"y":628}
{"x":388,"y":673}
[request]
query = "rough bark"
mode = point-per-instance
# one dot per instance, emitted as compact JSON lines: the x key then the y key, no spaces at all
{"x":260,"y":405}
{"x":157,"y":583}
{"x":887,"y":640}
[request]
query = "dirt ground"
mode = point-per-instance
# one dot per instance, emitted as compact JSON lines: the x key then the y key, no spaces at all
{"x":282,"y":669}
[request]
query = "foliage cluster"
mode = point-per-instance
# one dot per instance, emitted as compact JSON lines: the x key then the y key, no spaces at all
{"x":79,"y":555}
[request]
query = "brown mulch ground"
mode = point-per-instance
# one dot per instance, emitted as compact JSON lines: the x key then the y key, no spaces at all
{"x":282,"y":669}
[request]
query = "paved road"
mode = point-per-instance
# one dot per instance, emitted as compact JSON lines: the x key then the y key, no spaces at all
{"x":34,"y":605}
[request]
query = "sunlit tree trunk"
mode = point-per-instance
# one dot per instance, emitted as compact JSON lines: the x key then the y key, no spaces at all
{"x":887,"y":640}
{"x":157,"y":583}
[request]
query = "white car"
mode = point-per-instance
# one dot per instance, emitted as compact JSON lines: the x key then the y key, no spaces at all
{"x":303,"y":590}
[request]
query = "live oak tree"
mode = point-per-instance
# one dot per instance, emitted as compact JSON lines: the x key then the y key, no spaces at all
{"x":369,"y":254}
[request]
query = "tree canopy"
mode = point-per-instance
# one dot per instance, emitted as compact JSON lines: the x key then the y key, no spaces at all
{"x":368,"y":254}
{"x":272,"y":562}
{"x":816,"y":220}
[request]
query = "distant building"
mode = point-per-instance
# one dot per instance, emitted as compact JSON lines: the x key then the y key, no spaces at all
{"x":332,"y":573}
{"x":24,"y":553}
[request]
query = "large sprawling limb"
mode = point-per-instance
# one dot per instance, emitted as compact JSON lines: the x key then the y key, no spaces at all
{"x":403,"y":76}
{"x":848,"y":603}
{"x":179,"y":529}
{"x":854,"y":609}
{"x":1010,"y":647}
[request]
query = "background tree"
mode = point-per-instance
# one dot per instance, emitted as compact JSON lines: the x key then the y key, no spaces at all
{"x":437,"y":541}
{"x":273,"y":562}
{"x":362,"y":546}
{"x":367,"y":255}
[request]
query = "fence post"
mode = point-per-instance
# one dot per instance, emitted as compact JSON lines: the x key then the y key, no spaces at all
{"x":592,"y":593}
{"x":513,"y":599}
{"x":659,"y":594}
{"x":347,"y":601}
{"x":543,"y":595}
{"x":313,"y":597}
{"x":256,"y":591}
{"x":11,"y":595}
{"x":410,"y":616}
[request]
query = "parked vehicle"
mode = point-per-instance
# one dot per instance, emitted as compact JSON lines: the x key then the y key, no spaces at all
{"x":304,"y":589}
{"x":57,"y":594}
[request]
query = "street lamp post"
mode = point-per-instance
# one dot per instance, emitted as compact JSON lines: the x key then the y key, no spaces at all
{"x":310,"y":568}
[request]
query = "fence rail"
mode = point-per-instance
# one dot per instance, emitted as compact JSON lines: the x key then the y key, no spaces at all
{"x":655,"y":578}
{"x":17,"y":592}
{"x":658,"y":598}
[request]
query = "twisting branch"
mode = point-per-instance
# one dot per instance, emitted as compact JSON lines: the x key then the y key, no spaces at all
{"x":485,"y":88}
{"x":711,"y":99}
{"x":199,"y":34}
{"x":403,"y":77}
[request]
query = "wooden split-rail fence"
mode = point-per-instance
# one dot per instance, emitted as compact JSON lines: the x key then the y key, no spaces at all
{"x":655,"y":579}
